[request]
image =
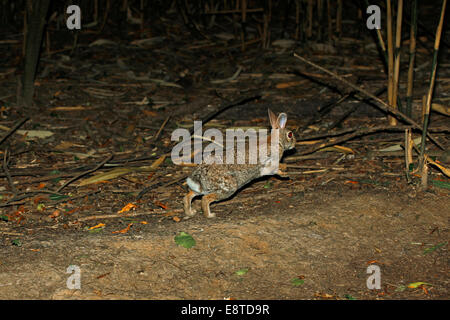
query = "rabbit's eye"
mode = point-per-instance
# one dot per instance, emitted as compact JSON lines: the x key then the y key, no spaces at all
{"x":290,"y":135}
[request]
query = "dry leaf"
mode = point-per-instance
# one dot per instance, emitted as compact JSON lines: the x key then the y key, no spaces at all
{"x":128,"y":207}
{"x":105,"y":176}
{"x":124,"y":230}
{"x":100,"y":225}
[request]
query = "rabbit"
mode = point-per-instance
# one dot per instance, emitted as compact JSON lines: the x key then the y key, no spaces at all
{"x":216,"y":182}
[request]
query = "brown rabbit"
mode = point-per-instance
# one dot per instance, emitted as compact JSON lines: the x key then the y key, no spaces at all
{"x":217,"y":182}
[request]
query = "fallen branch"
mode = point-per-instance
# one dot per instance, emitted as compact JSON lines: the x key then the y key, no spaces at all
{"x":353,"y":133}
{"x":383,"y":105}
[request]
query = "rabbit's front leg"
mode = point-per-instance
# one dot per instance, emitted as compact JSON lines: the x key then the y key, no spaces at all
{"x":280,"y":172}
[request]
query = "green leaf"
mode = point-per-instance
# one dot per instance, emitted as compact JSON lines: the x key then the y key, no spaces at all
{"x":4,"y":217}
{"x":241,"y":272}
{"x":401,"y":288}
{"x":349,"y":297}
{"x":185,"y":240}
{"x":55,"y":197}
{"x":428,"y":250}
{"x":268,"y":185}
{"x":17,"y":242}
{"x":440,"y":184}
{"x":415,"y":285}
{"x":297,"y":281}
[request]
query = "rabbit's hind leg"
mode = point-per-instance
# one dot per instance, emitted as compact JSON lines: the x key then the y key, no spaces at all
{"x":206,"y":201}
{"x":187,"y":201}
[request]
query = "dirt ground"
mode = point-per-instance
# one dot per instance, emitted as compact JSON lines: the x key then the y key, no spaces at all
{"x":311,"y":235}
{"x":327,"y":237}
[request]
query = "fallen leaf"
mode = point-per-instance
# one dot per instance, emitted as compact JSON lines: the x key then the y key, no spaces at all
{"x":241,"y":272}
{"x":124,"y":230}
{"x":185,"y":240}
{"x":415,"y":285}
{"x":55,"y":214}
{"x":397,"y":147}
{"x":339,"y":149}
{"x":105,"y":176}
{"x":428,"y":250}
{"x":160,"y":204}
{"x":127,"y":208}
{"x":100,"y":225}
{"x":150,"y":113}
{"x":70,"y":108}
{"x":42,"y":134}
{"x":289,"y":84}
{"x":297,"y":281}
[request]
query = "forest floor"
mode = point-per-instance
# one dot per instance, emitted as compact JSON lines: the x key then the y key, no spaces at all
{"x":311,"y":235}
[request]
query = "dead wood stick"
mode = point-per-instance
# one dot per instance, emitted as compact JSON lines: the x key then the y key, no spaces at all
{"x":381,"y":104}
{"x":10,"y":204}
{"x":161,"y":128}
{"x":13,"y":129}
{"x":354,"y":134}
{"x":85,"y":173}
{"x":23,"y":195}
{"x":345,"y":131}
{"x":127,"y":215}
{"x":147,"y":188}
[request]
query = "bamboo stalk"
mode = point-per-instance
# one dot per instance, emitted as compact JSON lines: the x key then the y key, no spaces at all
{"x":398,"y":42}
{"x":432,"y":80}
{"x":339,"y":18}
{"x":408,"y":153}
{"x":424,"y":177}
{"x":243,"y":23}
{"x":385,"y":54}
{"x":297,"y":19}
{"x":310,"y":19}
{"x":390,"y":43}
{"x":319,"y":18}
{"x":330,"y":23}
{"x":424,"y":108}
{"x":412,"y":58}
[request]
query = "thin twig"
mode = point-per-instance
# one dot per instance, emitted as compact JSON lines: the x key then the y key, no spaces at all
{"x":357,"y":133}
{"x":13,"y":129}
{"x":84,"y":173}
{"x":149,"y":187}
{"x":161,"y":128}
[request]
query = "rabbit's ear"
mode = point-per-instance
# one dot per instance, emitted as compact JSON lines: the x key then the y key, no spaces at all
{"x":282,"y":119}
{"x":273,"y":119}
